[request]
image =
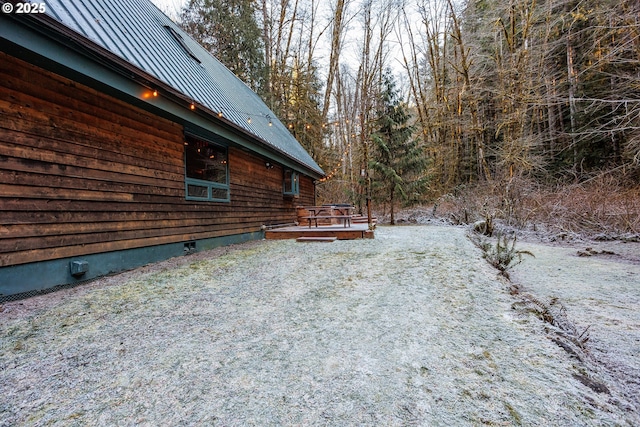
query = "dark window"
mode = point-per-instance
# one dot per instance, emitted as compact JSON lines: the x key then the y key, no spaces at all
{"x":207,"y":171}
{"x":291,"y":184}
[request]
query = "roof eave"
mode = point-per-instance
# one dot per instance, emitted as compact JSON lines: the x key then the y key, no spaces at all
{"x":52,"y":28}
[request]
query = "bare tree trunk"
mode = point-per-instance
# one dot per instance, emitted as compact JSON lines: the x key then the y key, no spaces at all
{"x":363,"y":78}
{"x":412,"y":70}
{"x":572,"y":78}
{"x":463,"y":67}
{"x":266,"y":35}
{"x":391,"y":206}
{"x":336,"y":38}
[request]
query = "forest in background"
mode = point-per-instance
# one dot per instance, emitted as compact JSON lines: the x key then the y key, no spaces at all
{"x":522,"y":110}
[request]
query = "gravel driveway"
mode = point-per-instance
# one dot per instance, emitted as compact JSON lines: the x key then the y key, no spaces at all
{"x":412,"y":328}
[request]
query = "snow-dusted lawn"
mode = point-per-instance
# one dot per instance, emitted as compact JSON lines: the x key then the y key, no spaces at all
{"x":412,"y":328}
{"x":601,"y":294}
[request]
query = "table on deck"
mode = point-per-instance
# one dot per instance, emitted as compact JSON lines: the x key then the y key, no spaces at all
{"x":328,"y":212}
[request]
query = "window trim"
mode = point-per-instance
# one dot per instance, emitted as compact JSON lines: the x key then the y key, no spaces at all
{"x":210,"y":185}
{"x":295,"y":183}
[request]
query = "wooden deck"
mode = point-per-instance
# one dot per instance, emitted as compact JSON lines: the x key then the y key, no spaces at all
{"x":340,"y":232}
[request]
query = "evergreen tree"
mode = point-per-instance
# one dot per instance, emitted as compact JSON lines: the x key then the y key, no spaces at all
{"x":300,"y":109}
{"x":230,"y":31}
{"x":397,"y":159}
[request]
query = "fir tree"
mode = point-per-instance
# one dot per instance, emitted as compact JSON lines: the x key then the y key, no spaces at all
{"x":301,"y":111}
{"x":398,"y":161}
{"x":229,"y":30}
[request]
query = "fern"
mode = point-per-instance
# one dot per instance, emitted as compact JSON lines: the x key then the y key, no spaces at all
{"x":503,"y":255}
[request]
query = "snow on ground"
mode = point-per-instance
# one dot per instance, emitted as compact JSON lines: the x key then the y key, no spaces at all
{"x":598,"y":283}
{"x":412,"y":328}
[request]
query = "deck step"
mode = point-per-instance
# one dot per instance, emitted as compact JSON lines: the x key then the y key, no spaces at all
{"x":362,"y":220}
{"x":316,"y":239}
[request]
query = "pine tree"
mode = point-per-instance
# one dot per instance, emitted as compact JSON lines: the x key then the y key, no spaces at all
{"x":229,"y":30}
{"x":397,"y":159}
{"x":301,"y":111}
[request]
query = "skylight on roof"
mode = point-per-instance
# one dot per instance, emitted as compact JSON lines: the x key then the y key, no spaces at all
{"x":181,"y":42}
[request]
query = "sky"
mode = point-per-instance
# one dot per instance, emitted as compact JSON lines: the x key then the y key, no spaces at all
{"x":350,"y":54}
{"x":169,"y":7}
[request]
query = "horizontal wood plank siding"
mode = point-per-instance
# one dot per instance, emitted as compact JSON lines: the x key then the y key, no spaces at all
{"x":83,"y":173}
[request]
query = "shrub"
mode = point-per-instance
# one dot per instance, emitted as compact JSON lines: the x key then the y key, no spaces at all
{"x":502,"y":255}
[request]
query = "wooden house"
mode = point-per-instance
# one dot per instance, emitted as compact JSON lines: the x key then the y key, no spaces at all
{"x":124,"y":142}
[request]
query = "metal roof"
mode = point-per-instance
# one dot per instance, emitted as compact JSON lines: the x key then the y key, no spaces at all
{"x":138,"y":32}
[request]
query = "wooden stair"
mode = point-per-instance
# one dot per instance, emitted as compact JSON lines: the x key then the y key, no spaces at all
{"x":325,"y":239}
{"x":339,"y":232}
{"x":361,"y":219}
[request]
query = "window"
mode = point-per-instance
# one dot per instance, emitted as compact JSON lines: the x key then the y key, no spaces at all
{"x":291,"y":184}
{"x":207,"y":171}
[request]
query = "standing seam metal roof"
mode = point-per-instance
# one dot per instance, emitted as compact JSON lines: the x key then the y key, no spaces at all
{"x":135,"y":30}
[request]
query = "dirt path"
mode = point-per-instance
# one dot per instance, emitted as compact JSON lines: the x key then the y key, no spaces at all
{"x":412,"y":328}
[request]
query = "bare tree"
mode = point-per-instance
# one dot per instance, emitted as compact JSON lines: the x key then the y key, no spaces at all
{"x":337,"y":33}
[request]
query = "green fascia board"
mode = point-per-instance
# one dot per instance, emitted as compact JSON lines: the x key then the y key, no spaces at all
{"x":44,"y":50}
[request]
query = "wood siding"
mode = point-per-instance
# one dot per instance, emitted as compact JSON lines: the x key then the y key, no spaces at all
{"x":82,"y":173}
